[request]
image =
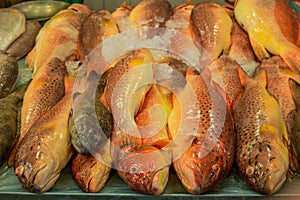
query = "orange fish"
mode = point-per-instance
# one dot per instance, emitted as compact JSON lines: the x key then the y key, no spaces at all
{"x":210,"y":154}
{"x":121,"y":17}
{"x":46,"y":149}
{"x":44,"y":91}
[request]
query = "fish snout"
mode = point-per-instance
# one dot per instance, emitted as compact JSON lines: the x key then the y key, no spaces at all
{"x":275,"y":179}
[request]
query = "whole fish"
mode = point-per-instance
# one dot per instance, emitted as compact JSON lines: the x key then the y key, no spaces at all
{"x":44,"y":91}
{"x":260,"y":20}
{"x":58,"y":37}
{"x":22,"y":45}
{"x":121,"y":17}
{"x":241,"y":50}
{"x":46,"y":149}
{"x":8,"y":121}
{"x":12,"y":25}
{"x":262,"y":155}
{"x":209,"y":154}
{"x":91,"y":123}
{"x":224,"y":72}
{"x":180,"y":20}
{"x":278,"y":76}
{"x":151,"y":13}
{"x":98,"y":26}
{"x":8,"y":74}
{"x":89,"y":173}
{"x":211,"y":27}
{"x":127,"y":84}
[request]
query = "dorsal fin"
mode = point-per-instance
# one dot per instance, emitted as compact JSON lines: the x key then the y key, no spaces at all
{"x":244,"y":78}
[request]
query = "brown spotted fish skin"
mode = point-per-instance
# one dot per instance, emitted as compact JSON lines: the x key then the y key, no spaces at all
{"x":211,"y":155}
{"x":151,"y":13}
{"x":89,"y":173}
{"x":262,"y":154}
{"x":278,"y":76}
{"x":44,"y":91}
{"x":46,"y":148}
{"x":211,"y":27}
{"x":98,"y":26}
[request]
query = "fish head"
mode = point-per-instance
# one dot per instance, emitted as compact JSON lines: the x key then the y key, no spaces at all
{"x":145,"y":169}
{"x":35,"y":167}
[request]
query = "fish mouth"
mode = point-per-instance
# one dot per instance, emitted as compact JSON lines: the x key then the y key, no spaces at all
{"x":274,"y":181}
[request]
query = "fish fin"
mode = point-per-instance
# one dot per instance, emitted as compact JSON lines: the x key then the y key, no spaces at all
{"x":290,"y":74}
{"x":103,"y":100}
{"x":221,"y":91}
{"x":236,"y":100}
{"x":261,"y":77}
{"x":190,"y":72}
{"x":227,"y":47}
{"x":161,"y":143}
{"x":292,"y":58}
{"x":69,"y":83}
{"x":29,"y":60}
{"x":258,"y":48}
{"x":244,"y":78}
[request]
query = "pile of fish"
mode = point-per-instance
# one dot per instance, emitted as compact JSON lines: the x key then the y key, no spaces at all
{"x":239,"y":109}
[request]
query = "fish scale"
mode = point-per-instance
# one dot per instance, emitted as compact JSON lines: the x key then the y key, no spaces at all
{"x":210,"y":157}
{"x":262,"y":155}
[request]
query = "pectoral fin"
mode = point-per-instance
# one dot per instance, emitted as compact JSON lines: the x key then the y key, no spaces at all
{"x":258,"y":48}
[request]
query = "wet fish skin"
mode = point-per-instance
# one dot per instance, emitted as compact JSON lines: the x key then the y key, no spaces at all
{"x":8,"y":121}
{"x":211,"y":27}
{"x":151,"y":13}
{"x":8,"y":74}
{"x":44,"y":91}
{"x":23,"y":44}
{"x":262,"y":154}
{"x":89,"y":173}
{"x":85,"y":133}
{"x":12,"y":26}
{"x":278,"y":77}
{"x":58,"y":37}
{"x":96,"y":27}
{"x":121,"y":16}
{"x":46,"y":148}
{"x":210,"y":156}
{"x":260,"y":20}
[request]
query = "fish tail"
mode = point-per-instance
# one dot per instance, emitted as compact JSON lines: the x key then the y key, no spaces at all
{"x":292,"y":58}
{"x":69,"y":83}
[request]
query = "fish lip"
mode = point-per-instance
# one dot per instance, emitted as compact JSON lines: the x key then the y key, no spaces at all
{"x":30,"y":181}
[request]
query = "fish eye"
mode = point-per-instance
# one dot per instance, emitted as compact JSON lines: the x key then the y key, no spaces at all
{"x":249,"y":171}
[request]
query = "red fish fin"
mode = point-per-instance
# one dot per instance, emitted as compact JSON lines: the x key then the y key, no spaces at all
{"x":258,"y":48}
{"x":292,"y":58}
{"x":261,"y":77}
{"x":161,"y":143}
{"x":244,"y":78}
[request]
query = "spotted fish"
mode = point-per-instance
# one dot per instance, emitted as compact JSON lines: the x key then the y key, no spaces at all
{"x":209,"y":155}
{"x":58,"y":37}
{"x":89,"y":173}
{"x":262,"y":153}
{"x":44,"y":91}
{"x":96,"y":27}
{"x":211,"y":27}
{"x":46,"y":148}
{"x":8,"y":121}
{"x":278,"y":76}
{"x":261,"y":21}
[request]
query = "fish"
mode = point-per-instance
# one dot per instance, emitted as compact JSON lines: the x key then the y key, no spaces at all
{"x":46,"y":148}
{"x":260,"y":20}
{"x":58,"y":37}
{"x":211,"y":28}
{"x":241,"y":50}
{"x":205,"y":130}
{"x":127,"y":84}
{"x":262,"y":153}
{"x":44,"y":91}
{"x":89,"y":173}
{"x":151,"y":13}
{"x":8,"y":121}
{"x":121,"y":17}
{"x":8,"y":74}
{"x":278,"y":76}
{"x":180,"y":20}
{"x":12,"y":26}
{"x":91,"y":122}
{"x":224,"y":72}
{"x":96,"y":27}
{"x":23,"y":44}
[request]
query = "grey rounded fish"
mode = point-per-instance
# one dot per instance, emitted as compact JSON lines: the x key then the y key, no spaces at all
{"x":8,"y":121}
{"x":84,"y":127}
{"x":8,"y":74}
